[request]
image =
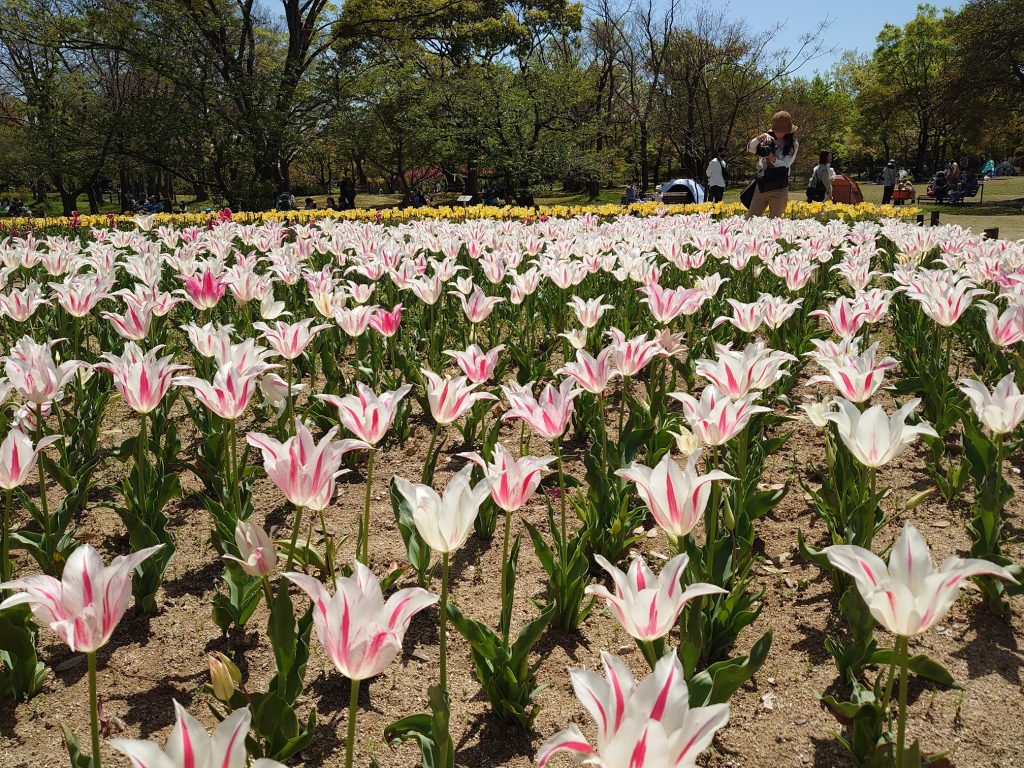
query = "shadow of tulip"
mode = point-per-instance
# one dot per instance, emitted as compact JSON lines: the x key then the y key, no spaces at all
{"x":496,"y":743}
{"x":993,"y":649}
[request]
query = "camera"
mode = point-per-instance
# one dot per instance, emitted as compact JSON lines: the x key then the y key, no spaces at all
{"x":766,"y":148}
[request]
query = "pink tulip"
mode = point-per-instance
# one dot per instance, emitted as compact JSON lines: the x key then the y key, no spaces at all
{"x":1004,"y":329}
{"x":32,"y":372}
{"x":20,"y":305}
{"x":367,"y":415}
{"x":648,"y":606}
{"x":588,"y":311}
{"x":256,"y":549}
{"x":666,"y":304}
{"x":290,"y":340}
{"x":745,"y":317}
{"x":355,"y":320}
{"x":513,"y":481}
{"x":477,"y":306}
{"x":717,"y":418}
{"x":593,"y":374}
{"x":911,"y":595}
{"x":547,"y":415}
{"x":210,"y":338}
{"x":475,"y":363}
{"x":632,"y":355}
{"x":141,"y":378}
{"x":737,"y":374}
{"x":944,"y":301}
{"x":79,"y":294}
{"x":1002,"y":409}
{"x":845,"y":317}
{"x":229,"y":394}
{"x":204,"y":291}
{"x":304,"y":470}
{"x":386,"y":323}
{"x":451,"y":398}
{"x":874,"y":437}
{"x":649,"y":725}
{"x":18,"y":457}
{"x":776,"y":310}
{"x":190,"y":746}
{"x":85,"y":606}
{"x":859,"y":376}
{"x":360,"y":633}
{"x":134,"y":324}
{"x":676,"y":497}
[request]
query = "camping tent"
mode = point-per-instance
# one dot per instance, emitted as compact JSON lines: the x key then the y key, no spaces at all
{"x":846,"y":190}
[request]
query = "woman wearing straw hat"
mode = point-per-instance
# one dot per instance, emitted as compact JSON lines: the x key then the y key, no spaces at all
{"x":776,"y":151}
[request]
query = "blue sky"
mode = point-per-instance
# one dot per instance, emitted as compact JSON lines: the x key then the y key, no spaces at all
{"x":855,"y":23}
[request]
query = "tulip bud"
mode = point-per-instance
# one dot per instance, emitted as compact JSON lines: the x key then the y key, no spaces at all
{"x":687,"y":443}
{"x":224,"y":676}
{"x":817,"y":412}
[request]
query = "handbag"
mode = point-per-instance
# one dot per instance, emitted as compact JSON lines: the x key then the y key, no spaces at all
{"x":747,"y":195}
{"x":774,"y":177}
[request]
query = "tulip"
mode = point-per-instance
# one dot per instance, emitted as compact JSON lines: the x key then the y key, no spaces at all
{"x":477,"y":306}
{"x":745,"y":317}
{"x":592,"y":373}
{"x":275,"y":392}
{"x":304,"y":470}
{"x":1002,"y":409}
{"x":257,"y":556}
{"x":190,"y":746}
{"x":210,"y":338}
{"x":369,"y":417}
{"x":475,"y":363}
{"x":355,"y":320}
{"x":666,"y":304}
{"x":83,"y":608}
{"x":873,"y":437}
{"x":632,"y":355}
{"x":737,"y":374}
{"x":141,"y":378}
{"x":909,"y":596}
{"x":945,"y":301}
{"x":229,"y":394}
{"x":817,"y":413}
{"x":79,"y":294}
{"x":224,"y":676}
{"x":449,"y":398}
{"x":290,"y":340}
{"x":649,"y":725}
{"x":676,"y":497}
{"x":31,"y":370}
{"x":204,"y":291}
{"x":134,"y":324}
{"x":589,"y":311}
{"x":360,"y":633}
{"x":716,"y":418}
{"x":777,"y":310}
{"x":647,"y":606}
{"x":20,"y":305}
{"x":844,"y":316}
{"x":386,"y":323}
{"x":858,"y":377}
{"x":1004,"y":329}
{"x":17,"y":460}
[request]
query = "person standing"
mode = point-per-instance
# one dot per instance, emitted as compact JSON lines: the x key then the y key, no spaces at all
{"x":716,"y":176}
{"x":889,"y":178}
{"x":819,"y":188}
{"x":776,"y":150}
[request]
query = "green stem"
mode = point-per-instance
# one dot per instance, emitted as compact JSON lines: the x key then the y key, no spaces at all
{"x":888,"y":685}
{"x":289,"y":421}
{"x":267,"y":593}
{"x":622,"y":408}
{"x":5,"y":563}
{"x":47,"y":536}
{"x":504,"y":556}
{"x":428,"y":472}
{"x":901,"y":725}
{"x":561,"y":485}
{"x":328,"y":549}
{"x":443,"y":663}
{"x":94,"y":711}
{"x":235,"y":477}
{"x":363,"y":553}
{"x":296,"y":524}
{"x":353,"y":709}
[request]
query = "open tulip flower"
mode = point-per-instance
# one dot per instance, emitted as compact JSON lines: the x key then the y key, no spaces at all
{"x":445,"y":521}
{"x":290,"y":340}
{"x":737,"y":374}
{"x":547,"y":415}
{"x":910,"y":595}
{"x":589,"y":311}
{"x":513,"y":481}
{"x":386,"y":322}
{"x":632,"y":355}
{"x":1002,"y":409}
{"x":477,"y":306}
{"x":360,"y":632}
{"x":716,"y":418}
{"x":676,"y":497}
{"x":205,"y":290}
{"x":592,"y":373}
{"x":84,"y":607}
{"x":745,"y":317}
{"x":190,"y":746}
{"x":367,"y":415}
{"x":229,"y":394}
{"x":18,"y":457}
{"x":845,"y":317}
{"x":141,"y":378}
{"x":33,"y":373}
{"x":874,"y":437}
{"x":645,"y":725}
{"x":857,"y":377}
{"x":475,"y":363}
{"x":449,"y":398}
{"x":666,"y":304}
{"x":648,"y":606}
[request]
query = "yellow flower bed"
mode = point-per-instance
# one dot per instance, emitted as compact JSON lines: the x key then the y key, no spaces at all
{"x":795,"y":210}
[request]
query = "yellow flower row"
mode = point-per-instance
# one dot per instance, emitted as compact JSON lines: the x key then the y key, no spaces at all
{"x":796,"y":209}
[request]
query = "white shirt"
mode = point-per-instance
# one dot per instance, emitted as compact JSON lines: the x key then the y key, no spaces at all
{"x":781,"y":161}
{"x":716,"y":173}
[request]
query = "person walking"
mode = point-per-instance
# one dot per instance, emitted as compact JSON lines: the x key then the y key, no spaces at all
{"x":776,"y":150}
{"x":716,"y":176}
{"x":889,"y":178}
{"x":819,"y":188}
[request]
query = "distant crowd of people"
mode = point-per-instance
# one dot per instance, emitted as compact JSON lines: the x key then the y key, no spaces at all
{"x":14,"y":207}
